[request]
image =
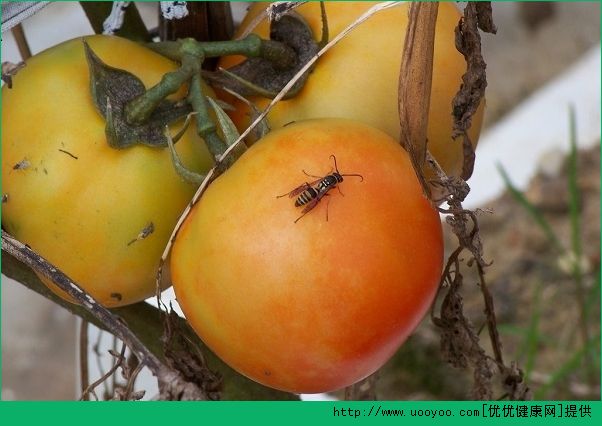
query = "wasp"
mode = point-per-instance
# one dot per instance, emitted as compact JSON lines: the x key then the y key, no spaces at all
{"x":310,"y":193}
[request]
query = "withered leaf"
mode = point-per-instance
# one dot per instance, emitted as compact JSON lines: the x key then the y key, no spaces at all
{"x":415,"y":79}
{"x":474,"y":81}
{"x":112,"y":89}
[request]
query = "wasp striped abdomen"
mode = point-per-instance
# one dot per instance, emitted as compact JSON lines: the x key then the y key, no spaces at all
{"x":306,"y":196}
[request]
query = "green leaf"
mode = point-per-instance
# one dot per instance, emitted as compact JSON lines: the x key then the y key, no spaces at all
{"x":111,"y":89}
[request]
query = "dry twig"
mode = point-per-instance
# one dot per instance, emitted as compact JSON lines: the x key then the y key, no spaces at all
{"x":83,"y":358}
{"x":119,"y":358}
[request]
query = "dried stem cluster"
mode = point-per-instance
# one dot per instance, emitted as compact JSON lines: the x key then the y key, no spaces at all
{"x":459,"y":340}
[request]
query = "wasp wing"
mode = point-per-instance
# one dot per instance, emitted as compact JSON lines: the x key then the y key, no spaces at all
{"x":298,"y":190}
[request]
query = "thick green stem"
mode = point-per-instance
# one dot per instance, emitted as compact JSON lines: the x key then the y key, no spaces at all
{"x":205,"y":125}
{"x":133,"y":27}
{"x":251,"y":46}
{"x":169,"y":49}
{"x":140,"y":109}
{"x":248,"y":46}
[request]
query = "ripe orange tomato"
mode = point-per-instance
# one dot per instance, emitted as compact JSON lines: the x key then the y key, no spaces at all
{"x":78,"y":202}
{"x":358,"y":78}
{"x":319,"y":304}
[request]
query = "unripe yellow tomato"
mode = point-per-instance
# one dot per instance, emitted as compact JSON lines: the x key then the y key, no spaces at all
{"x":358,"y":77}
{"x":81,"y":204}
{"x":317,"y":301}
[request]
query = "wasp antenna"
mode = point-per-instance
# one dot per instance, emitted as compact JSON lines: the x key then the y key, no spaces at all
{"x":355,"y":174}
{"x":336,"y":168}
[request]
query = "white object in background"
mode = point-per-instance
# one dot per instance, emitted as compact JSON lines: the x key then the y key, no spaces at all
{"x":538,"y":125}
{"x":174,"y":9}
{"x":114,"y":21}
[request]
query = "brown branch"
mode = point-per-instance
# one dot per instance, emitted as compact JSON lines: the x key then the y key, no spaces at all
{"x":494,"y":335}
{"x":129,"y":388}
{"x":21,"y":41}
{"x":83,"y":359}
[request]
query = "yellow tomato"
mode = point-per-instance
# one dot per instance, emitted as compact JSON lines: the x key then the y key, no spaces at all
{"x":317,"y":304}
{"x":79,"y":203}
{"x":358,"y":78}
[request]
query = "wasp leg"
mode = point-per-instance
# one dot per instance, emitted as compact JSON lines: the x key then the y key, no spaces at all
{"x":308,"y":207}
{"x":327,"y":203}
{"x":340,"y":192}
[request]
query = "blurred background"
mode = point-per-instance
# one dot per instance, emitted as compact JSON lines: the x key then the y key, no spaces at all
{"x":544,"y":59}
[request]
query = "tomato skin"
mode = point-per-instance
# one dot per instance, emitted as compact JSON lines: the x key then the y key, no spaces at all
{"x":80,"y":203}
{"x":358,"y":77}
{"x":316,"y":305}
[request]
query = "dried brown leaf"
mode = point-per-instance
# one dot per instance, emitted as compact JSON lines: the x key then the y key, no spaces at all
{"x":415,"y":80}
{"x":474,"y":81}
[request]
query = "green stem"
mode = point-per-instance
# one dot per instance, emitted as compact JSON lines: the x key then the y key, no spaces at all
{"x":140,"y":109}
{"x":248,"y":46}
{"x":251,"y":46}
{"x":169,"y":49}
{"x":191,"y":54}
{"x":205,"y":126}
{"x":133,"y":26}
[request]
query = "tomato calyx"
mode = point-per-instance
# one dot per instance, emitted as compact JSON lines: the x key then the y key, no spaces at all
{"x":260,"y":76}
{"x":112,"y":89}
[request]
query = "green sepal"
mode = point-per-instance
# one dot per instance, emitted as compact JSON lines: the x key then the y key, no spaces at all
{"x":228,"y":128}
{"x":111,"y":89}
{"x":185,"y":173}
{"x":263,"y":127}
{"x":258,"y":76}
